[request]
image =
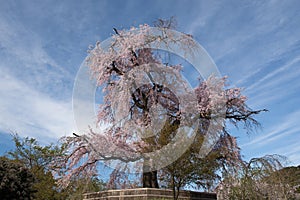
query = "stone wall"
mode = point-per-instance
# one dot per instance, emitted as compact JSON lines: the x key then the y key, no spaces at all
{"x":147,"y":193}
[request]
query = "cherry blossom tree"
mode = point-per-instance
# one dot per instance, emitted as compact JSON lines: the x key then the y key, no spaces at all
{"x":144,"y":113}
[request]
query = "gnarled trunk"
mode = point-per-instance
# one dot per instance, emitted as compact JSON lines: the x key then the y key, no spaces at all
{"x":150,"y":179}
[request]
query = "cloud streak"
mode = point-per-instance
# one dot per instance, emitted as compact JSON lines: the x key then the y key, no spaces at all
{"x":280,"y":138}
{"x":31,"y":113}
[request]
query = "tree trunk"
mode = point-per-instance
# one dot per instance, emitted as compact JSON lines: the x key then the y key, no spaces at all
{"x":150,"y":179}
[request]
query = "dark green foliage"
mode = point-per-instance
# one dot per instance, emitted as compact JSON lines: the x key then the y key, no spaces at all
{"x":32,"y":155}
{"x":37,"y":160}
{"x":16,"y":181}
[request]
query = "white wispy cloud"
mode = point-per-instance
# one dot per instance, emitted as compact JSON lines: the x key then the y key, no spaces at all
{"x":206,"y":11}
{"x":30,"y":81}
{"x":247,"y":47}
{"x":32,"y":113}
{"x":23,"y":55}
{"x":276,"y":85}
{"x":289,"y":125}
{"x":281,"y":138}
{"x":265,"y":82}
{"x":24,"y":44}
{"x":36,"y":92}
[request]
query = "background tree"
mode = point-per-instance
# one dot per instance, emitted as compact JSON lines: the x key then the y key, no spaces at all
{"x":283,"y":183}
{"x":260,"y":178}
{"x":16,"y":180}
{"x":201,"y":173}
{"x":111,"y":68}
{"x":38,"y":160}
{"x":291,"y":175}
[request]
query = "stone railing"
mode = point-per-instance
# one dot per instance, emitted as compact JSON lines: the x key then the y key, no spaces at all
{"x":147,"y":193}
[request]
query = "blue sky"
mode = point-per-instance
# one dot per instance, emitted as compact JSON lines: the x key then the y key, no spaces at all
{"x":255,"y":43}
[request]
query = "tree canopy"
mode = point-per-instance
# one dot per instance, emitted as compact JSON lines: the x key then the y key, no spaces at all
{"x":147,"y":104}
{"x":16,"y":180}
{"x":261,"y":178}
{"x":27,"y":170}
